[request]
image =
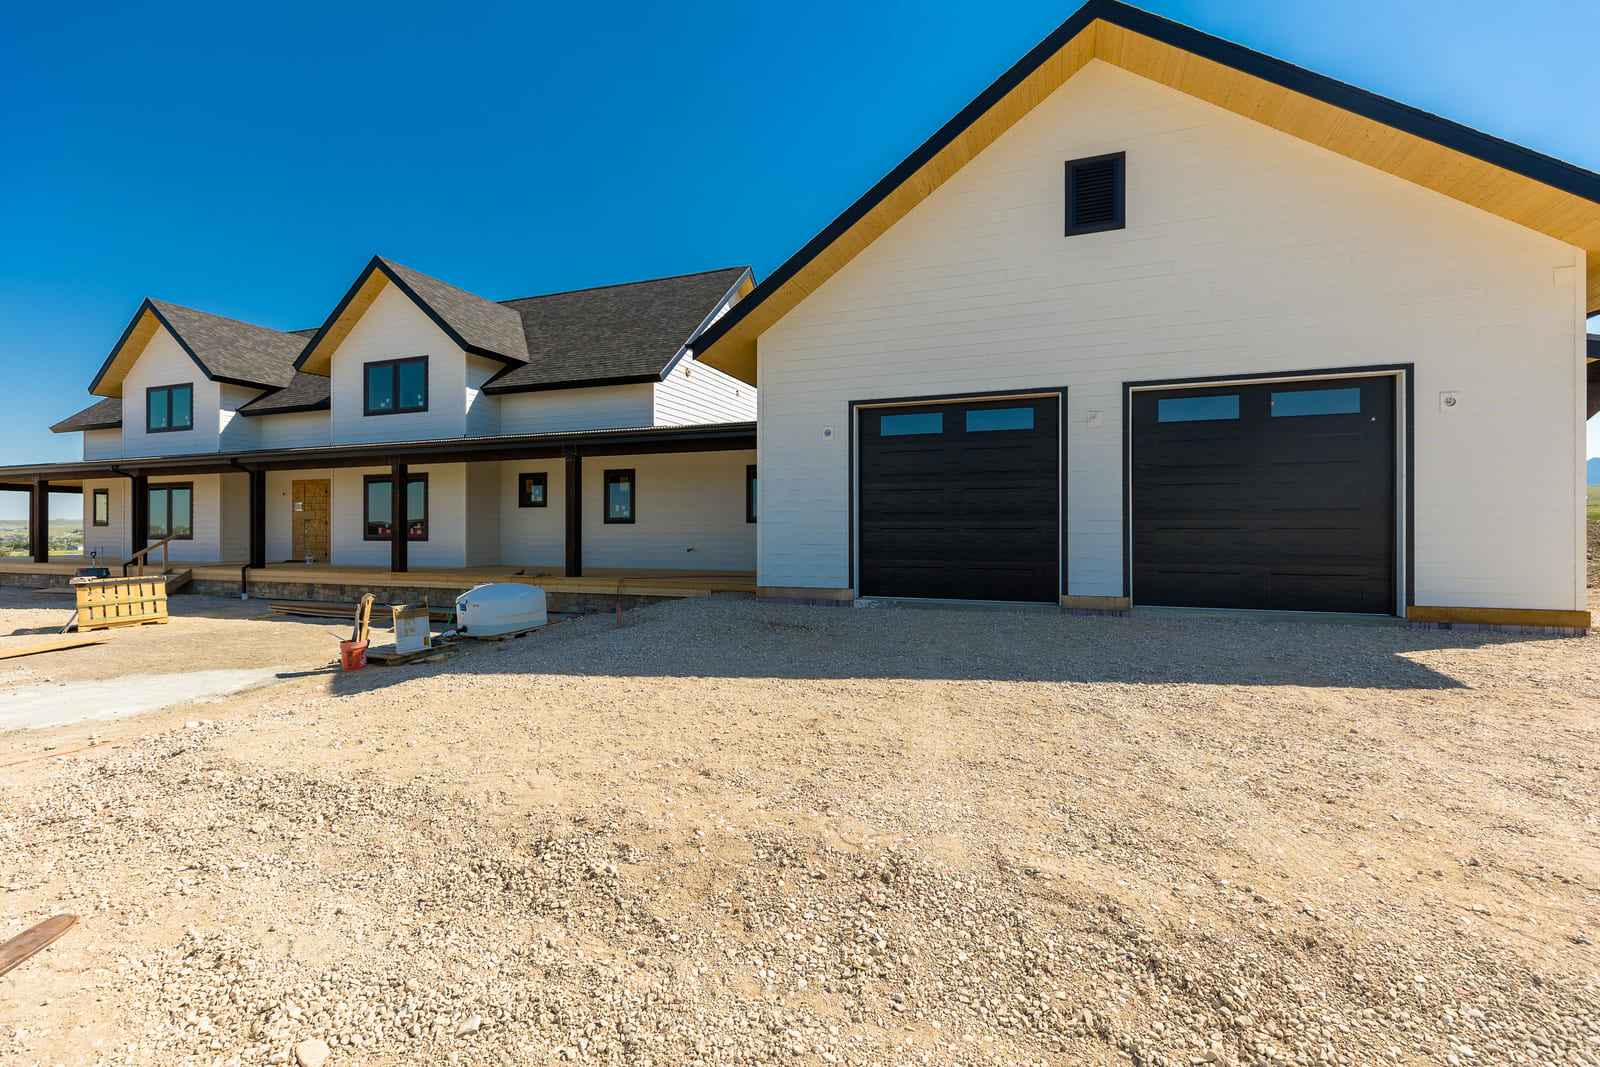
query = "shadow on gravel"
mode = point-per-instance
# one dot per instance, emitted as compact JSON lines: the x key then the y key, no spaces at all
{"x":746,"y":639}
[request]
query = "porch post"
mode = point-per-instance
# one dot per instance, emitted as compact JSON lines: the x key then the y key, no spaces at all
{"x":574,"y":486}
{"x":258,"y":518}
{"x":138,"y":513}
{"x":39,"y":520}
{"x":397,"y":518}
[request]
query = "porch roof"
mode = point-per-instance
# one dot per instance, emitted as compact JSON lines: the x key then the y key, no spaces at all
{"x":705,"y":437}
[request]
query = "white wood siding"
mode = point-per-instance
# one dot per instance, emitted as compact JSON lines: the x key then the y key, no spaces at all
{"x":1246,"y":252}
{"x":102,"y":444}
{"x":113,"y":542}
{"x":483,"y":409}
{"x":163,"y":362}
{"x":236,"y":432}
{"x":534,"y":537}
{"x":447,"y":523}
{"x":690,"y":514}
{"x":233,"y":539}
{"x":695,"y":393}
{"x":395,"y":328}
{"x":556,"y":410}
{"x":295,"y":429}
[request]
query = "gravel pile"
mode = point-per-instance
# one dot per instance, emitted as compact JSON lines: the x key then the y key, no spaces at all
{"x":742,"y":834}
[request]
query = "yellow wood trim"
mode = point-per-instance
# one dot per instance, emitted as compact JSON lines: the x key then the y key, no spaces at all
{"x":1522,"y":200}
{"x":1569,"y":620}
{"x":131,"y":350}
{"x":320,"y":359}
{"x":1097,"y":603}
{"x":804,"y":592}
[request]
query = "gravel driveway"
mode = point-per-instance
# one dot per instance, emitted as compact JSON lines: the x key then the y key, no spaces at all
{"x":732,"y":832}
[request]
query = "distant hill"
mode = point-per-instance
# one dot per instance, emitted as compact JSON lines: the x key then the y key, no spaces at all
{"x":1594,"y":471}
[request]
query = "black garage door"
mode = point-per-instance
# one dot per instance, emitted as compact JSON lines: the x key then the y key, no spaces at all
{"x":1266,"y":496}
{"x":961,"y":500}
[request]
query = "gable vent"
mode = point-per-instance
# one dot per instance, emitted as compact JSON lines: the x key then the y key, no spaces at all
{"x":1095,"y":194}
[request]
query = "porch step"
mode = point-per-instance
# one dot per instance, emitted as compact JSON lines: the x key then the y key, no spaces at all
{"x":176,"y":580}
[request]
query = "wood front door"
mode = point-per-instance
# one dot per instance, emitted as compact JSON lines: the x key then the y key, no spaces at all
{"x":309,"y":519}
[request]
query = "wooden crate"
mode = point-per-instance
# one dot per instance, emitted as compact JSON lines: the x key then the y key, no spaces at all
{"x":107,"y":602}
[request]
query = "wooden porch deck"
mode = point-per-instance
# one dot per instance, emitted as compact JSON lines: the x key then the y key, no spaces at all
{"x":630,"y":583}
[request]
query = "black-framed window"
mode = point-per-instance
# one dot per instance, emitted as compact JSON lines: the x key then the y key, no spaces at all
{"x":377,"y":507}
{"x":620,"y":497}
{"x":750,"y":493}
{"x":1096,"y":199}
{"x":168,"y":408}
{"x":395,"y":386}
{"x":101,"y":514}
{"x":171,"y":512}
{"x":533,"y":490}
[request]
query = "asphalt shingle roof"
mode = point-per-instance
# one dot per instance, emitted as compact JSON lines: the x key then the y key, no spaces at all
{"x":101,"y":415}
{"x":306,"y":392}
{"x":626,"y":332}
{"x":483,"y":324}
{"x":232,"y":349}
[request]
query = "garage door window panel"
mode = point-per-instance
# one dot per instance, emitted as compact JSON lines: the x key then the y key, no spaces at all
{"x":1301,"y":402}
{"x":1197,"y":408}
{"x":916,"y":423}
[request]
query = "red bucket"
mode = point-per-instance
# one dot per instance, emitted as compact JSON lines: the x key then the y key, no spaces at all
{"x":352,"y":655}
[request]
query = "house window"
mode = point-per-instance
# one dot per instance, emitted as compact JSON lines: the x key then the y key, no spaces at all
{"x":750,"y":493}
{"x":171,"y":513}
{"x":533,"y":490}
{"x":168,"y":408}
{"x":102,"y":508}
{"x":619,"y":496}
{"x":378,"y":507}
{"x":395,"y":386}
{"x":1095,"y":188}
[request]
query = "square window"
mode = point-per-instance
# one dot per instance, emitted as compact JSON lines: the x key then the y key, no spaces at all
{"x":168,"y":408}
{"x":395,"y":386}
{"x":619,"y":496}
{"x":533,"y":490}
{"x":102,"y":507}
{"x":170,"y":513}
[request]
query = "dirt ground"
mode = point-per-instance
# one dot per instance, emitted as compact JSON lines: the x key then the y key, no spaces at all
{"x":733,"y":832}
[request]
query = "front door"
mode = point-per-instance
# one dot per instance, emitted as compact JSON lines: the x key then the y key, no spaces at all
{"x":309,"y":520}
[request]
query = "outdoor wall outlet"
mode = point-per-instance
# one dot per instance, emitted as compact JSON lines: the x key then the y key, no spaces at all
{"x":1449,"y":400}
{"x":1092,"y":419}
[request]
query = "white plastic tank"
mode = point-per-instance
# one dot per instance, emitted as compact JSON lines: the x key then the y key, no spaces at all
{"x":500,"y":608}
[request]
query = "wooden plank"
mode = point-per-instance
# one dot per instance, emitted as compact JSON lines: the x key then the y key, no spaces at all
{"x":7,"y":651}
{"x":1565,"y":620}
{"x":34,"y":940}
{"x":387,"y":656}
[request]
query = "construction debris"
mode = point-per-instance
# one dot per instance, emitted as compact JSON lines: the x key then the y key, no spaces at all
{"x":7,"y":651}
{"x":335,"y":609}
{"x":35,"y":939}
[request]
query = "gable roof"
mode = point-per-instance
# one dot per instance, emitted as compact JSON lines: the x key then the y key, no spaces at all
{"x":1526,"y":187}
{"x":225,"y":350}
{"x":476,"y":325}
{"x":613,"y":334}
{"x":101,"y":415}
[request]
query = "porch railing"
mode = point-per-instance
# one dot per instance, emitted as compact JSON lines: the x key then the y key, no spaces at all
{"x":141,"y":557}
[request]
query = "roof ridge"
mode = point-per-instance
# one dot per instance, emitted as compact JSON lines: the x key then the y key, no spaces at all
{"x":215,"y":315}
{"x":624,"y":285}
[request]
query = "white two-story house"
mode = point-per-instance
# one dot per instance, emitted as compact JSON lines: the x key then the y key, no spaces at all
{"x":423,"y":426}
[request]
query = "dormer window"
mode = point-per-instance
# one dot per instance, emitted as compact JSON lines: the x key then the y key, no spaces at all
{"x":168,"y":408}
{"x":395,"y":386}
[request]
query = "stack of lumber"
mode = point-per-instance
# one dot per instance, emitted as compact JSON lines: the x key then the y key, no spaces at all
{"x":337,"y":609}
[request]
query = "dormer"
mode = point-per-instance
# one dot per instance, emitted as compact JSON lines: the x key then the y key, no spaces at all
{"x":407,"y":355}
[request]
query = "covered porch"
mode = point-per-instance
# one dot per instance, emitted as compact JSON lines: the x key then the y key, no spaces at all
{"x":654,"y":511}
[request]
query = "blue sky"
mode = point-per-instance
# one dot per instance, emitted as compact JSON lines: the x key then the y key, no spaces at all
{"x":248,"y":160}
